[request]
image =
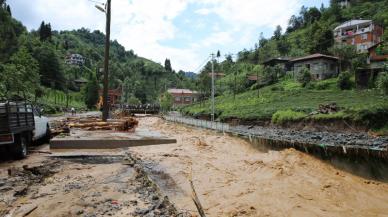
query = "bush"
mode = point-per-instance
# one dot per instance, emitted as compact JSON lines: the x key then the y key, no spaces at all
{"x":382,"y":83}
{"x":344,"y":82}
{"x":281,"y":117}
{"x":304,"y":77}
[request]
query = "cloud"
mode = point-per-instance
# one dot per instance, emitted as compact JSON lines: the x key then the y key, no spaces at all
{"x":142,"y":25}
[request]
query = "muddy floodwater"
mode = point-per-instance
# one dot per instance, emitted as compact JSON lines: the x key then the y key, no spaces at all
{"x":232,"y":178}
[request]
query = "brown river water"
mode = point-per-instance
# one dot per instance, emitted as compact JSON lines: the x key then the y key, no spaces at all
{"x":232,"y":178}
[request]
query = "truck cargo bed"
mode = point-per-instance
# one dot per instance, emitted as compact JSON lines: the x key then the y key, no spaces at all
{"x":16,"y":117}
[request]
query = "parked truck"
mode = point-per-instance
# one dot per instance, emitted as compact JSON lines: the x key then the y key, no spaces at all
{"x":21,"y":124}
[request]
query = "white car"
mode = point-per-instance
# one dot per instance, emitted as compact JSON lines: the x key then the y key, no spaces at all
{"x":20,"y":125}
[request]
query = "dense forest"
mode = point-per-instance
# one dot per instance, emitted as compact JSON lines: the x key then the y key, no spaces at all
{"x":32,"y":65}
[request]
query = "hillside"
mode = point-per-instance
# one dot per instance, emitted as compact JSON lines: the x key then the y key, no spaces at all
{"x":38,"y":58}
{"x":280,"y":98}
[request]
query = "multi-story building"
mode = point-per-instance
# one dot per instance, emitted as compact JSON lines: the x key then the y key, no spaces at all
{"x":183,"y":96}
{"x":75,"y":59}
{"x":361,"y":33}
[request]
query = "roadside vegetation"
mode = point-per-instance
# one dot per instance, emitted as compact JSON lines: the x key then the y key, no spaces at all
{"x":289,"y":101}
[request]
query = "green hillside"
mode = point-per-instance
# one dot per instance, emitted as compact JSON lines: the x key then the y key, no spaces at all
{"x":32,"y":64}
{"x":277,"y":96}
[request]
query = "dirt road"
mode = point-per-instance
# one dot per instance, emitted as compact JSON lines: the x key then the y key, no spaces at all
{"x":234,"y":179}
{"x":230,"y":176}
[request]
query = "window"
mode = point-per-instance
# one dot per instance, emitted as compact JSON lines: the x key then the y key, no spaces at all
{"x":187,"y":99}
{"x":308,"y":66}
{"x":364,"y":36}
{"x":353,"y":41}
{"x":178,"y":98}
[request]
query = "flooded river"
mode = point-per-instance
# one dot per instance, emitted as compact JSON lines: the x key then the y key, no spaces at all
{"x":232,"y":178}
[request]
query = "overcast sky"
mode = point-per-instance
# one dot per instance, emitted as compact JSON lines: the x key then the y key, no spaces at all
{"x":185,"y":31}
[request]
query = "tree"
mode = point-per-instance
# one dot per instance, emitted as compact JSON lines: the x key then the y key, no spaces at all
{"x":126,"y":90}
{"x":345,"y":53}
{"x":166,"y":101}
{"x":304,"y":77}
{"x":277,"y":33}
{"x":321,"y":38}
{"x":382,"y":81}
{"x":344,"y":82}
{"x":45,"y":31}
{"x":91,"y":92}
{"x":9,"y":32}
{"x":49,"y":67}
{"x":20,"y":75}
{"x":283,"y":46}
{"x":9,"y":10}
{"x":167,"y":65}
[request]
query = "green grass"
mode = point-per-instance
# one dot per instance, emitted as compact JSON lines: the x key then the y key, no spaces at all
{"x":359,"y":105}
{"x":281,"y":117}
{"x":54,"y":100}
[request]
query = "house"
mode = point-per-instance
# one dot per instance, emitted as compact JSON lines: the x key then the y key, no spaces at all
{"x":114,"y":96}
{"x":321,"y":66}
{"x":183,"y":96}
{"x":283,"y":62}
{"x":75,"y":59}
{"x":361,"y":33}
{"x":378,"y":55}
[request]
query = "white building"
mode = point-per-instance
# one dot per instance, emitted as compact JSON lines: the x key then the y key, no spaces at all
{"x":75,"y":59}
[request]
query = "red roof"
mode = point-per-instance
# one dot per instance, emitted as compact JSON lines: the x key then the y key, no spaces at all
{"x":181,"y":91}
{"x":315,"y":56}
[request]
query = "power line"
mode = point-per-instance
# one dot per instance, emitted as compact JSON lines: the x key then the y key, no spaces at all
{"x":202,"y":64}
{"x":97,"y":2}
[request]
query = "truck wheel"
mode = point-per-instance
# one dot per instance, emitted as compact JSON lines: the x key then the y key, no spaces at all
{"x":20,"y":147}
{"x":47,"y":137}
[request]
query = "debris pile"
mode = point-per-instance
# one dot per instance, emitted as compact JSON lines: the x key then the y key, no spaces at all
{"x":92,"y":124}
{"x":122,"y":113}
{"x":326,"y":109}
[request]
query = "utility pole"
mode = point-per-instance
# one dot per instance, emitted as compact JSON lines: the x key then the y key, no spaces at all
{"x":105,"y":106}
{"x":257,"y":83}
{"x":213,"y":91}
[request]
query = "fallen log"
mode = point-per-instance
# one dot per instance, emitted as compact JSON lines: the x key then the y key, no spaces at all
{"x":195,"y":198}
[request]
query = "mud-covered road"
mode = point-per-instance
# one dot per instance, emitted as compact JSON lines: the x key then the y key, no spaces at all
{"x":231,"y":178}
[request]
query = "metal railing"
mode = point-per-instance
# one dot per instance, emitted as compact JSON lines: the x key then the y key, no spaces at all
{"x":223,"y":127}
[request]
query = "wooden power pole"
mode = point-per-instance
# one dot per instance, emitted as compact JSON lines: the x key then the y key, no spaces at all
{"x":105,"y":107}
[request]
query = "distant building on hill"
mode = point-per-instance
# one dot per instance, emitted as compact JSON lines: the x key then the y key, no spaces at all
{"x":75,"y":59}
{"x":361,"y":33}
{"x":320,"y":66}
{"x":183,"y":96}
